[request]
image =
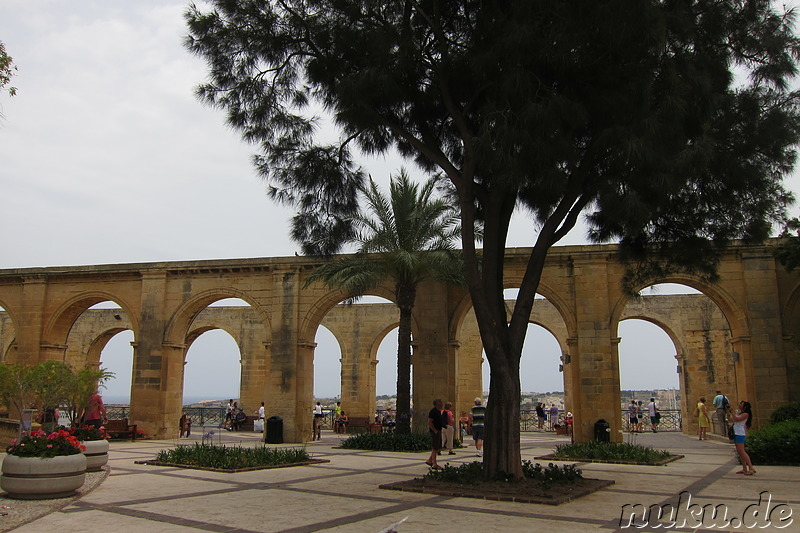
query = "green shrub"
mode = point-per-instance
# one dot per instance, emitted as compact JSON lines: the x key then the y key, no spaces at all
{"x":472,"y":473}
{"x":231,"y":457}
{"x":789,"y":411}
{"x":611,"y":451}
{"x":389,"y":441}
{"x":775,"y":444}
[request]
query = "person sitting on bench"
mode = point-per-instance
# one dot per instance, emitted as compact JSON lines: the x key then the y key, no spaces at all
{"x":238,"y":419}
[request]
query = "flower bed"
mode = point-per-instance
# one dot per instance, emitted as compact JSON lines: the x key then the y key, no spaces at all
{"x":231,"y":458}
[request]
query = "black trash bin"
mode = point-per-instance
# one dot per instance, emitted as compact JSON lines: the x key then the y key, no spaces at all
{"x":275,"y":430}
{"x":602,"y":431}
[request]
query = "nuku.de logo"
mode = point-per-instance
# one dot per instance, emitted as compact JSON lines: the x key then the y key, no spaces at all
{"x":685,"y":514}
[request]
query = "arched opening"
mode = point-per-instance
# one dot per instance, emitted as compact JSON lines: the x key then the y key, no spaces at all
{"x":327,"y":367}
{"x":541,"y":365}
{"x":352,"y":346}
{"x":213,"y":370}
{"x":386,"y":373}
{"x":102,"y":337}
{"x":674,"y":346}
{"x":7,"y":334}
{"x":117,"y":357}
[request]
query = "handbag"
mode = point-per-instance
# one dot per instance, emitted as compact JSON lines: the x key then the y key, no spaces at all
{"x":731,"y":433}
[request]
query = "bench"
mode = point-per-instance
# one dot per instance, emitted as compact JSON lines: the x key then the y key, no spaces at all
{"x":120,"y":426}
{"x":358,"y":424}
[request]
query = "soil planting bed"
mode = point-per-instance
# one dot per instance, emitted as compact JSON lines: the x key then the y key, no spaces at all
{"x":524,"y":491}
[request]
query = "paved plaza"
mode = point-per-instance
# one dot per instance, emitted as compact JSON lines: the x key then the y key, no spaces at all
{"x":343,"y":496}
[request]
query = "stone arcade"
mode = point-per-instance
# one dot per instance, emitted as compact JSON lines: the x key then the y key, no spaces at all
{"x":744,"y":344}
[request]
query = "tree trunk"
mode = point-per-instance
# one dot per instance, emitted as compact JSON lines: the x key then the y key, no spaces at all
{"x":405,"y":302}
{"x":501,"y":444}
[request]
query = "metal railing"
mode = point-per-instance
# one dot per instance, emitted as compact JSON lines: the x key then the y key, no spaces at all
{"x":671,"y":419}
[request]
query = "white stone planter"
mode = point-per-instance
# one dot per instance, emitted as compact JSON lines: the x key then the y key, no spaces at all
{"x":96,"y":454}
{"x":32,"y":478}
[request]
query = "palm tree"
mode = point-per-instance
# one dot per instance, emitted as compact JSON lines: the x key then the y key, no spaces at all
{"x":407,"y":238}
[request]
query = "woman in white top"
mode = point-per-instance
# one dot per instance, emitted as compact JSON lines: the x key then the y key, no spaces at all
{"x":741,"y":423}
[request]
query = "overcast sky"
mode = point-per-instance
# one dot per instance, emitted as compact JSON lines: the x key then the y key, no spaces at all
{"x":107,"y":157}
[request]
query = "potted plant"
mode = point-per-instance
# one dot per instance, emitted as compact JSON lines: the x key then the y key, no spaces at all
{"x":95,"y":443}
{"x":42,"y":465}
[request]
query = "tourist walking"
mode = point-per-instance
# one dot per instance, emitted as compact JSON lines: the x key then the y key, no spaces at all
{"x":448,"y":428}
{"x":435,"y":430}
{"x":316,"y":427}
{"x":477,"y":416}
{"x":742,"y":420}
{"x":721,"y":404}
{"x":702,"y":419}
{"x":655,"y":415}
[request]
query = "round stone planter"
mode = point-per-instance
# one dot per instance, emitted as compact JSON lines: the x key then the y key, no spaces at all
{"x":32,"y":478}
{"x":96,"y":454}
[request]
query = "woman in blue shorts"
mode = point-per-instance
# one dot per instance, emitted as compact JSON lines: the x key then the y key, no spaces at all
{"x":741,"y":423}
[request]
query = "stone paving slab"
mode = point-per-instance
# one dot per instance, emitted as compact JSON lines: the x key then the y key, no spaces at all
{"x":343,"y":496}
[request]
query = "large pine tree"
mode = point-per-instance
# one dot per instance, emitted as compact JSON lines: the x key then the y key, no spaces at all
{"x":667,"y":123}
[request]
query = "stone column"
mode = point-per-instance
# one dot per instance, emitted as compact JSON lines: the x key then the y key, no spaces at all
{"x":595,"y":359}
{"x":434,"y":369}
{"x":31,"y":321}
{"x":761,"y":366}
{"x":290,"y":364}
{"x":157,"y":366}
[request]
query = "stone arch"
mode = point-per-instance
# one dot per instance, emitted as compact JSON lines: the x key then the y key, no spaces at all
{"x":731,"y":309}
{"x":61,"y":321}
{"x":556,"y":300}
{"x":671,"y":333}
{"x":378,"y":339}
{"x":178,"y":326}
{"x":96,"y":347}
{"x":8,"y":332}
{"x":194,"y":333}
{"x":309,"y":323}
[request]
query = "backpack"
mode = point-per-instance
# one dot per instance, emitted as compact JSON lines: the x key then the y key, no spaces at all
{"x":725,"y":402}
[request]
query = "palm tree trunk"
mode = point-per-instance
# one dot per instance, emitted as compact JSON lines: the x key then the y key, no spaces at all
{"x":405,"y":302}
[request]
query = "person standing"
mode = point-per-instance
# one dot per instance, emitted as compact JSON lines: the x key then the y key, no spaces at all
{"x":702,"y":419}
{"x":639,"y":416}
{"x":553,"y":416}
{"x":435,"y":430}
{"x":316,"y":428}
{"x":539,"y":415}
{"x":655,"y":415}
{"x":633,"y":420}
{"x":742,"y":421}
{"x":229,"y":412}
{"x":95,"y":414}
{"x":337,"y":415}
{"x":261,"y":412}
{"x":477,"y":416}
{"x":448,"y":428}
{"x":721,"y":403}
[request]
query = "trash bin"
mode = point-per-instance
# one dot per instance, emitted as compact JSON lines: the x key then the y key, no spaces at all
{"x":275,"y":430}
{"x":602,"y":431}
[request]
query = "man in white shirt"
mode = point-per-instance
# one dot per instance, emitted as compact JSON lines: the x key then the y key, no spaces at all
{"x":654,"y":414}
